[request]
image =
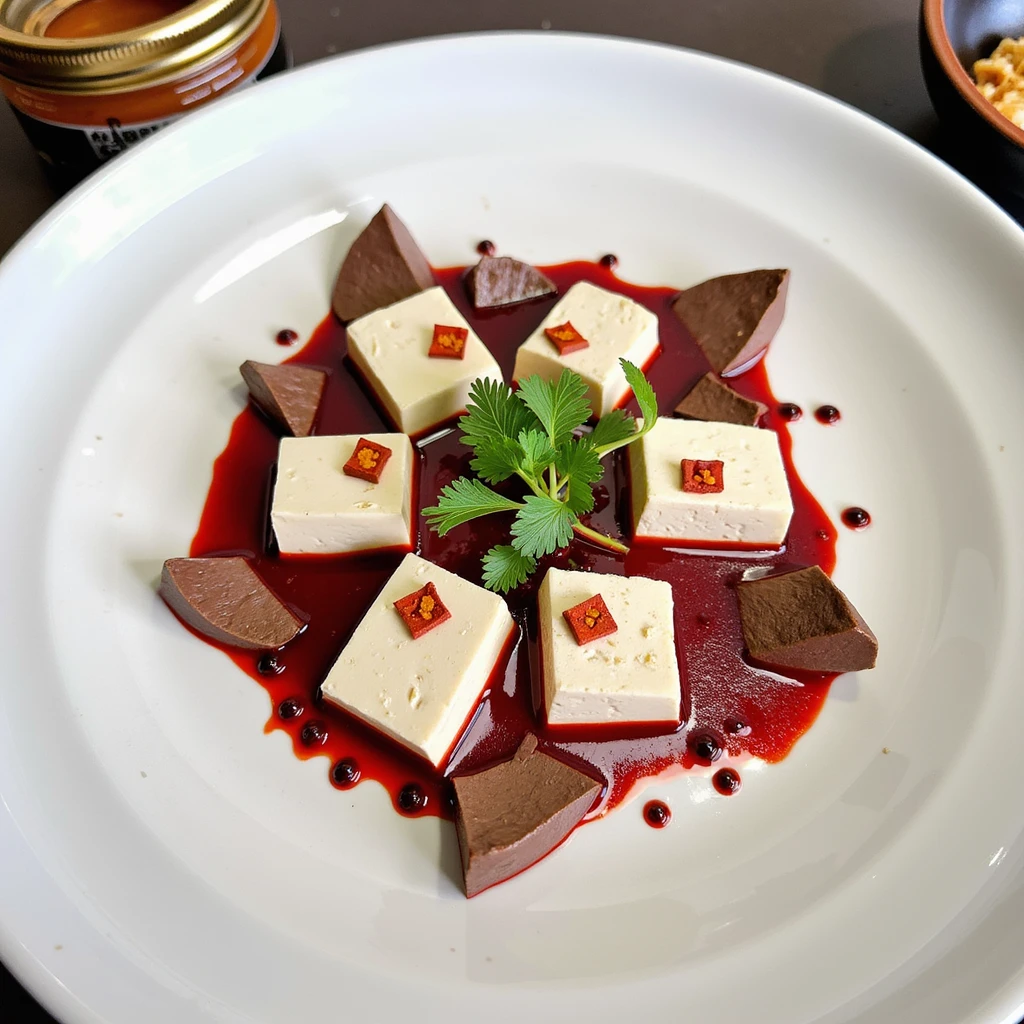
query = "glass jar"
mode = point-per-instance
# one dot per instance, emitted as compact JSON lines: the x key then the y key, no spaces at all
{"x":89,"y":79}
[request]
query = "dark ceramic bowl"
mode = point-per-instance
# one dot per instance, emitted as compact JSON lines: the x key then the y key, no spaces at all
{"x":954,"y":34}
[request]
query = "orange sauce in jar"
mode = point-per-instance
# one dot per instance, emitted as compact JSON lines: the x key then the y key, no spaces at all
{"x":89,"y":79}
{"x":102,"y":17}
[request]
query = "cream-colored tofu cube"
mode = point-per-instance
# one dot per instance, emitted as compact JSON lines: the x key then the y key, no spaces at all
{"x":390,"y":348}
{"x":318,"y":510}
{"x":615,"y":327}
{"x":631,"y":675}
{"x":752,"y":511}
{"x":422,"y":692}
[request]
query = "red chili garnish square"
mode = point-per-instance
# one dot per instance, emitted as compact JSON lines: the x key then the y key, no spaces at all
{"x":590,"y":620}
{"x":703,"y":476}
{"x":368,"y":461}
{"x":422,"y":611}
{"x":448,"y":342}
{"x":566,"y":338}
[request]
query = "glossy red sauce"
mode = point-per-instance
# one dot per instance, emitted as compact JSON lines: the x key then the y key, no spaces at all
{"x":726,"y":781}
{"x":657,"y":813}
{"x":735,"y":707}
{"x":856,"y":518}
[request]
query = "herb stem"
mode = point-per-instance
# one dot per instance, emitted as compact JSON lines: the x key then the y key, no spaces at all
{"x":532,"y":483}
{"x":600,"y":539}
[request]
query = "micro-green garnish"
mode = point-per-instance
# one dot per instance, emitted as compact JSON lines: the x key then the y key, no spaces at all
{"x":532,"y":434}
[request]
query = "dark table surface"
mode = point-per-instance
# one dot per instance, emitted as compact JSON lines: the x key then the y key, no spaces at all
{"x":862,"y":51}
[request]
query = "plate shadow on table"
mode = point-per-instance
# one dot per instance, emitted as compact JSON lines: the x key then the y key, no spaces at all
{"x":879,"y":72}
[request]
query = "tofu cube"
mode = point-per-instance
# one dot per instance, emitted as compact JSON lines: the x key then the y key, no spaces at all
{"x":752,"y":510}
{"x":631,"y":675}
{"x":319,"y":510}
{"x":615,"y":327}
{"x":421,"y":692}
{"x":390,"y":347}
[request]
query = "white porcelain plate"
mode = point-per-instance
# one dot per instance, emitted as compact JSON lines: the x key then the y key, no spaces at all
{"x":163,"y":860}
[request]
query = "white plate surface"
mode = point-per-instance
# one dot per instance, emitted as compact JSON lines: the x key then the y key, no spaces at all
{"x":165,"y":861}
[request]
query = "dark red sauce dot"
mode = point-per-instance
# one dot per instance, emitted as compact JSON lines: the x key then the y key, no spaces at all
{"x":289,"y":708}
{"x":827,"y":414}
{"x":412,"y":799}
{"x":823,"y":535}
{"x":486,"y":247}
{"x":609,"y":261}
{"x":706,"y":747}
{"x":737,"y":727}
{"x":703,"y":620}
{"x":856,"y":518}
{"x":345,"y":773}
{"x":657,"y":813}
{"x":790,"y":412}
{"x":287,"y":336}
{"x":268,"y":666}
{"x":726,"y":781}
{"x":314,"y":734}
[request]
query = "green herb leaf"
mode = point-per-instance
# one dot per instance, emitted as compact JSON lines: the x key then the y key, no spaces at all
{"x":493,"y":414}
{"x":465,"y":499}
{"x":497,"y":459}
{"x":644,"y":394}
{"x":579,"y":459}
{"x":579,"y":497}
{"x":612,"y":429}
{"x":537,"y":452}
{"x":505,"y":568}
{"x":580,"y":463}
{"x":542,"y":525}
{"x":560,"y":407}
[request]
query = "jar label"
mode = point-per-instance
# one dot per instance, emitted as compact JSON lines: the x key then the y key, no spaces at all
{"x":117,"y":137}
{"x":71,"y":151}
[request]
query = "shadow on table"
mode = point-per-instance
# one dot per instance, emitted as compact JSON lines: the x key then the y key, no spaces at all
{"x":879,"y":72}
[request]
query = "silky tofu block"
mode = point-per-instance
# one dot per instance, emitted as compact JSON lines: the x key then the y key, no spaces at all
{"x":417,"y":390}
{"x":417,"y":682}
{"x":629,"y":673}
{"x":613,"y":326}
{"x":320,"y":509}
{"x":748,"y":505}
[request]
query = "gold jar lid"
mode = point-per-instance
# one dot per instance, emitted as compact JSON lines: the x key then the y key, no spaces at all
{"x":143,"y":56}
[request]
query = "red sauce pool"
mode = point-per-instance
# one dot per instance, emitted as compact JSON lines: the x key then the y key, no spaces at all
{"x":720,"y":692}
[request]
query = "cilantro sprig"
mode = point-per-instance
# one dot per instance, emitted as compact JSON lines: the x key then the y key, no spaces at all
{"x":533,"y":434}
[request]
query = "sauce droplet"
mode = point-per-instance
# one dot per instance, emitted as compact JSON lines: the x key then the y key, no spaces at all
{"x":703,"y":620}
{"x":823,"y":535}
{"x":486,"y":247}
{"x":314,"y":734}
{"x":827,"y":414}
{"x":609,"y":261}
{"x":287,"y":336}
{"x":737,"y":727}
{"x":289,"y":708}
{"x":268,"y":666}
{"x":411,"y":799}
{"x":657,"y":813}
{"x":345,"y":773}
{"x":706,"y":747}
{"x":790,"y":412}
{"x":726,"y":781}
{"x":856,"y":518}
